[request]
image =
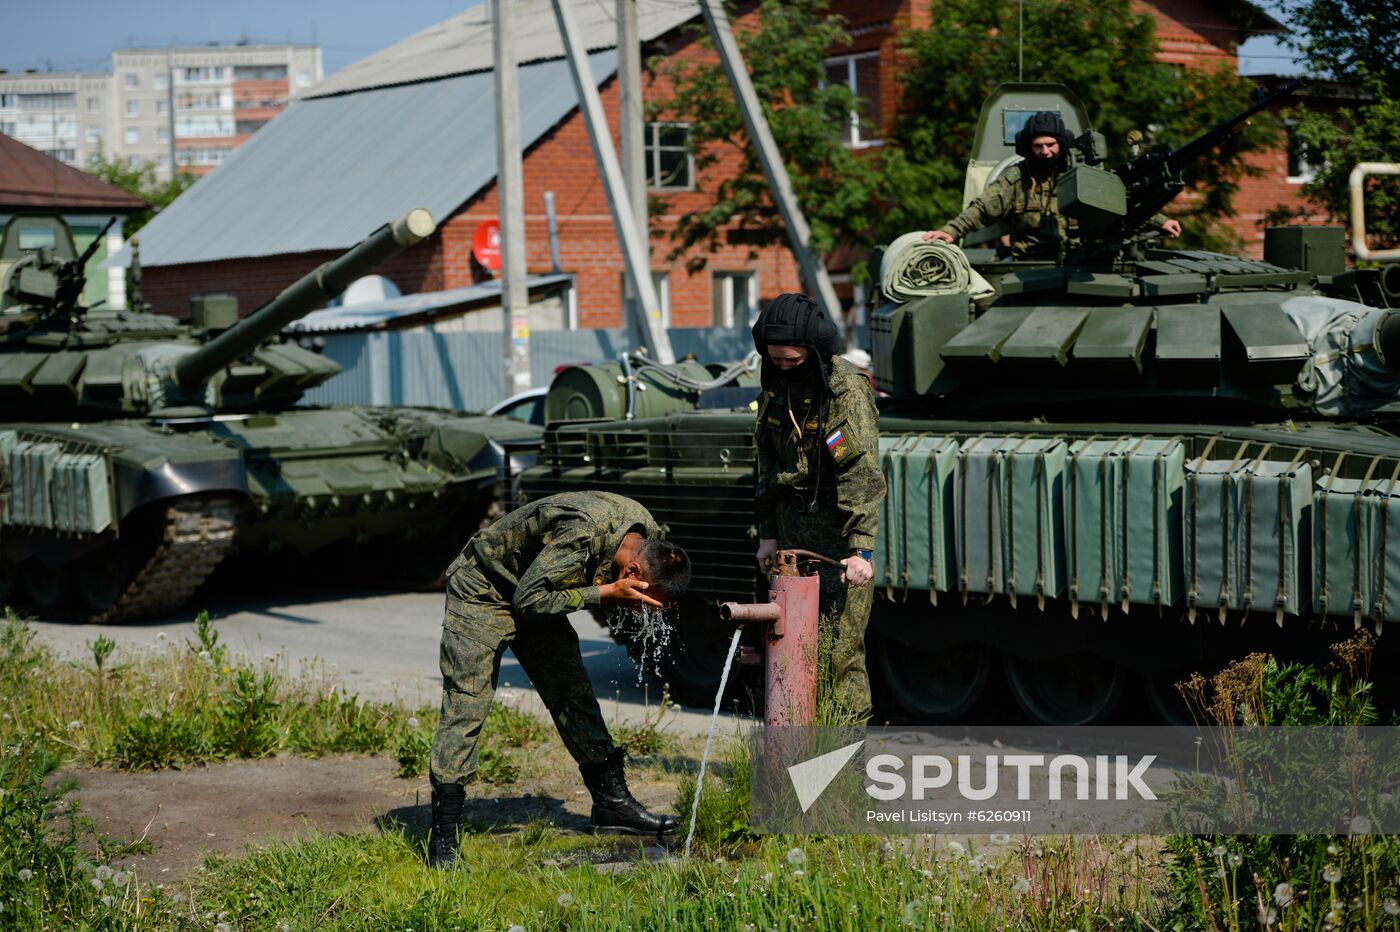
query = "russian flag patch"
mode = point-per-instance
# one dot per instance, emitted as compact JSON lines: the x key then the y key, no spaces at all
{"x":836,"y":443}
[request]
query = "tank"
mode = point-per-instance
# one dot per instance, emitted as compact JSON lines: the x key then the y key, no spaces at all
{"x":143,"y":451}
{"x":1108,"y":471}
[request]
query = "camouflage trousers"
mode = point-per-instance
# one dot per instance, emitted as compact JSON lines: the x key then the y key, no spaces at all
{"x":477,"y":627}
{"x":845,"y":613}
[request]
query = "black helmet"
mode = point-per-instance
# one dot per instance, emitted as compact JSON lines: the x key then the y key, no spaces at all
{"x":795,"y":320}
{"x":1043,"y":123}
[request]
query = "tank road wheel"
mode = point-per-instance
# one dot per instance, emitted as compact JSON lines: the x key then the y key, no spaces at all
{"x":1074,"y":689}
{"x":1164,"y":699}
{"x":48,"y":586}
{"x":102,"y":577}
{"x":934,"y":687}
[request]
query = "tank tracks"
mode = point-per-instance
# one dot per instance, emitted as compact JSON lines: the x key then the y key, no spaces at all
{"x":197,"y":535}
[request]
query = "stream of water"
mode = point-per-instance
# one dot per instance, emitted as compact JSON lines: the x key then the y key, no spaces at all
{"x":705,"y":755}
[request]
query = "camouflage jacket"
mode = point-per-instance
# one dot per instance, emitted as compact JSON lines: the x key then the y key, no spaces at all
{"x":852,"y":484}
{"x":550,"y":556}
{"x":1038,"y":229}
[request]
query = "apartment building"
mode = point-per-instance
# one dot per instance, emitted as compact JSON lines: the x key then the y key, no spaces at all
{"x":188,"y":105}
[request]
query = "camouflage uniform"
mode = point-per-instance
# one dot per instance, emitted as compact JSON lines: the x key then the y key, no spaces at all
{"x":1032,"y":211}
{"x":848,"y":502}
{"x":513,"y":586}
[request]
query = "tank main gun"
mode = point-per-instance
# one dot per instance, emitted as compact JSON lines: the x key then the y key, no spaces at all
{"x":1154,"y":178}
{"x":306,"y":294}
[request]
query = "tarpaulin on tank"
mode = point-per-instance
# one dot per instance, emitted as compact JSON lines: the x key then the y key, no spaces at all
{"x":913,"y":268}
{"x":1346,"y":373}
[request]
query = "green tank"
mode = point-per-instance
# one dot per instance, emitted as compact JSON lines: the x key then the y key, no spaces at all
{"x":1107,"y":471}
{"x":143,"y":451}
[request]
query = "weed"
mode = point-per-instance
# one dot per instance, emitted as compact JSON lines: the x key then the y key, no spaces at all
{"x":515,"y":728}
{"x":413,"y":752}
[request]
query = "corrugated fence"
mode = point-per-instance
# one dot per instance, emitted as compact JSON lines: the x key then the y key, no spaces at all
{"x":465,"y":370}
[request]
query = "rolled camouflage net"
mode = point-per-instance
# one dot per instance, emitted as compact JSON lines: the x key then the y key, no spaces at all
{"x":914,"y":267}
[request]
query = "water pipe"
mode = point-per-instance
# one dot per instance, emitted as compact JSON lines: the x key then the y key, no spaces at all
{"x":790,"y":641}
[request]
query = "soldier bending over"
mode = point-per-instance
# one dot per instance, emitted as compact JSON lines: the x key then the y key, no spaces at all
{"x":513,"y":586}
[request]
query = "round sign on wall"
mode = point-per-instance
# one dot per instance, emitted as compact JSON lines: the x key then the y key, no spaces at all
{"x":486,"y":245}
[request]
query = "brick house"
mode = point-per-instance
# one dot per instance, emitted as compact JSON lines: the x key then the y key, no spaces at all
{"x":414,"y":125}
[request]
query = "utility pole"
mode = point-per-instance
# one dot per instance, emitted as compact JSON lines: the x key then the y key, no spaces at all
{"x":779,"y":185}
{"x":170,"y":108}
{"x":630,"y":131}
{"x":510,"y":196}
{"x":634,"y":253}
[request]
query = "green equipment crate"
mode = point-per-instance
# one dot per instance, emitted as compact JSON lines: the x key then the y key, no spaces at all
{"x":915,"y":548}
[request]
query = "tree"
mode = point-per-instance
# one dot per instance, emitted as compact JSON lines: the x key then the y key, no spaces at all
{"x":1102,"y":49}
{"x":1352,"y":42}
{"x":141,"y":182}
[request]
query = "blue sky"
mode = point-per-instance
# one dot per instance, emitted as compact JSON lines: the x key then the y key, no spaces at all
{"x":79,"y":35}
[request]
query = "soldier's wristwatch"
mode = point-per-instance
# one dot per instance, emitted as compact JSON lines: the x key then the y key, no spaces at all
{"x":867,"y":555}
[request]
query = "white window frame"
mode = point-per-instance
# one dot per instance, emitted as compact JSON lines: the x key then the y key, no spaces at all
{"x":132,"y":136}
{"x":133,"y":108}
{"x":1309,"y":172}
{"x":853,"y":134}
{"x":652,"y":149}
{"x":661,"y":281}
{"x":722,"y":286}
{"x":131,"y":79}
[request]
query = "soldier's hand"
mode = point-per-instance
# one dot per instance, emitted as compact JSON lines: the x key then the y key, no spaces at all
{"x":937,"y":236}
{"x":1171,"y":228}
{"x":767,"y":553}
{"x":626,"y":592}
{"x":856,"y":570}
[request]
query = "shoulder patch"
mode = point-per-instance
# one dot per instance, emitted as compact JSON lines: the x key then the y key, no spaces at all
{"x":838,"y":444}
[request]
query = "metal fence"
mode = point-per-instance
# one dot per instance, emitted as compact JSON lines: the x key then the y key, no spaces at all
{"x":466,"y":370}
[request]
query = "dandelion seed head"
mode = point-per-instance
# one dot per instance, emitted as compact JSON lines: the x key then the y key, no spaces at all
{"x":413,"y":721}
{"x":1000,"y":838}
{"x":799,"y":874}
{"x":1267,"y":915}
{"x":1390,"y":906}
{"x":1021,"y":887}
{"x":1333,"y":850}
{"x":104,"y":872}
{"x":1236,"y":859}
{"x":120,"y":878}
{"x":1283,"y":894}
{"x":956,"y":849}
{"x":1219,"y":851}
{"x":96,"y":884}
{"x":25,"y":875}
{"x":74,"y":725}
{"x":1331,"y":873}
{"x":1360,"y":825}
{"x":796,"y":857}
{"x":565,"y":900}
{"x":109,"y":900}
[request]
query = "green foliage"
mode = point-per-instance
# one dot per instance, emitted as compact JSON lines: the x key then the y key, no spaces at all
{"x":1104,"y":51}
{"x":512,"y":727}
{"x":414,"y":751}
{"x":722,"y":820}
{"x":176,"y":705}
{"x":786,"y":57}
{"x":648,"y":737}
{"x":141,"y":181}
{"x":1353,"y":42}
{"x":1285,"y":882}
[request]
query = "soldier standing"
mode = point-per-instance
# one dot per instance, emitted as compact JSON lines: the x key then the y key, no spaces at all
{"x":513,"y":586}
{"x":819,"y":479}
{"x":1025,"y":196}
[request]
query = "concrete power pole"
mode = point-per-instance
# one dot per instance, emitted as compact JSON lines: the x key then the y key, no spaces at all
{"x":510,"y":196}
{"x":799,"y":234}
{"x":170,"y":109}
{"x":630,"y":131}
{"x":634,"y":252}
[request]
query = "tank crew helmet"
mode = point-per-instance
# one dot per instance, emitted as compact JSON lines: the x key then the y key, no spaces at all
{"x":1043,"y":123}
{"x":795,"y":320}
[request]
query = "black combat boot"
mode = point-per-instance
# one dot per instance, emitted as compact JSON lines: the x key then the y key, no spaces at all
{"x":447,"y":819}
{"x":615,"y":812}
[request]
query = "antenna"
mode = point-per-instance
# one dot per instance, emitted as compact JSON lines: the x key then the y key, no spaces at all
{"x":1020,"y":39}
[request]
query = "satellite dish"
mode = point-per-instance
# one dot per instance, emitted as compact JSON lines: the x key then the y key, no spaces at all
{"x":366,"y":290}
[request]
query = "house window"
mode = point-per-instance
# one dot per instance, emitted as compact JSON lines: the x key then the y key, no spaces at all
{"x":733,"y":298}
{"x":248,"y":127}
{"x":133,"y":136}
{"x":260,"y":72}
{"x":1300,"y":168}
{"x":93,"y":105}
{"x":132,"y":79}
{"x":159,"y":81}
{"x":860,"y":73}
{"x":94,"y":134}
{"x":662,"y":282}
{"x":7,"y":101}
{"x":670,"y":166}
{"x":303,"y":77}
{"x":162,"y":134}
{"x":133,"y":108}
{"x":160,"y":106}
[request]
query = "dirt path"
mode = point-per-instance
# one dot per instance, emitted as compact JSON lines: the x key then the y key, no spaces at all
{"x":233,"y":807}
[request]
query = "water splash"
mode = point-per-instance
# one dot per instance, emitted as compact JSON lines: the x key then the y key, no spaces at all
{"x":648,"y":630}
{"x":705,"y":755}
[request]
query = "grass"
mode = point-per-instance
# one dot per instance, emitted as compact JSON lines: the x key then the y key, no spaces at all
{"x":182,"y":704}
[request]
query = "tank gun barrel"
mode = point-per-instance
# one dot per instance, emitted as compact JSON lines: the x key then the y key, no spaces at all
{"x":1153,"y":179}
{"x":308,"y":293}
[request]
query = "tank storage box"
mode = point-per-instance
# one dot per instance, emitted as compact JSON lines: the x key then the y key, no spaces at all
{"x":1124,"y":518}
{"x":979,"y":515}
{"x":916,"y":546}
{"x":1320,"y":250}
{"x":1247,"y":535}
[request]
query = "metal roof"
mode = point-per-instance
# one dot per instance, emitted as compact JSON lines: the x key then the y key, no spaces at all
{"x":462,"y":44}
{"x":327,"y":172}
{"x":31,"y":179}
{"x":369,"y":315}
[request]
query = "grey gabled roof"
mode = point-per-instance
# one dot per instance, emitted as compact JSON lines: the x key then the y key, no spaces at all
{"x":327,"y":172}
{"x":369,"y":315}
{"x":463,"y":43}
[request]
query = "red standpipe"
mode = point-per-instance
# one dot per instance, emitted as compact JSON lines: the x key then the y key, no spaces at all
{"x":790,"y":654}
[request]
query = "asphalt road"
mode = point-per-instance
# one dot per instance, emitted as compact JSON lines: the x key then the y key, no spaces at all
{"x":380,"y":645}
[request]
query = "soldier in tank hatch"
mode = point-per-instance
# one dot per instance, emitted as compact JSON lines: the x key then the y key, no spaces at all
{"x":513,"y":586}
{"x":819,"y":480}
{"x":1024,"y":195}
